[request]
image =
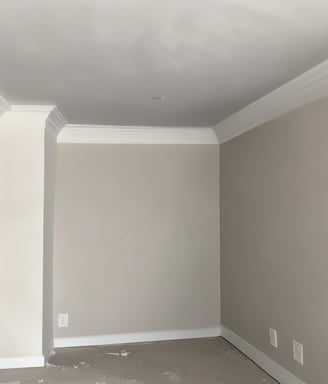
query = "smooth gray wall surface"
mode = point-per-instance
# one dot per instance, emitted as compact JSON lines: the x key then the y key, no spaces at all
{"x":136,"y":238}
{"x":274,"y":237}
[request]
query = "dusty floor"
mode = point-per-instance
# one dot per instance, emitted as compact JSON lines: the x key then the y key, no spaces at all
{"x":202,"y":361}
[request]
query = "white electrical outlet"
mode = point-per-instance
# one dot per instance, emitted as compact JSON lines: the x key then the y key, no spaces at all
{"x":273,"y":337}
{"x":63,"y":320}
{"x":298,"y":352}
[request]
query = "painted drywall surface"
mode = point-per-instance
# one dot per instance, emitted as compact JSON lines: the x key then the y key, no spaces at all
{"x":274,"y":237}
{"x":21,"y":233}
{"x":136,"y":245}
{"x":49,"y":206}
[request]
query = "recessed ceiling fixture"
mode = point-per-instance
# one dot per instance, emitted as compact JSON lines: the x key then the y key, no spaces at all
{"x":158,"y":98}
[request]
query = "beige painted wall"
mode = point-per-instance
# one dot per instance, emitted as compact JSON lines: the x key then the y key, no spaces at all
{"x":21,"y":233}
{"x":136,"y":238}
{"x":274,"y":237}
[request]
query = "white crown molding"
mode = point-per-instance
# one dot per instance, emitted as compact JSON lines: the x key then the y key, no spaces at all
{"x":271,"y":367}
{"x":56,"y":121}
{"x":304,"y":89}
{"x":102,"y":134}
{"x":139,"y":337}
{"x":4,"y":105}
{"x":22,"y":362}
{"x":32,"y":108}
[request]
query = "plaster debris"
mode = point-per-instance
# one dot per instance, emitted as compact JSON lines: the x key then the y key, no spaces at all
{"x":53,"y":366}
{"x":123,"y":353}
{"x":172,"y":376}
{"x":192,"y":361}
{"x":52,"y":353}
{"x":81,"y":363}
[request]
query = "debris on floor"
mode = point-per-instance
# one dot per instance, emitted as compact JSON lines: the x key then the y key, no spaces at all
{"x":123,"y":353}
{"x":205,"y":361}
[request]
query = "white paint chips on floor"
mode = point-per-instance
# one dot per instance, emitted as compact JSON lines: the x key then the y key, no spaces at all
{"x":123,"y":353}
{"x":198,"y":361}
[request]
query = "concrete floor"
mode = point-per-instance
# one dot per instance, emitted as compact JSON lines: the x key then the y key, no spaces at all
{"x":201,"y":361}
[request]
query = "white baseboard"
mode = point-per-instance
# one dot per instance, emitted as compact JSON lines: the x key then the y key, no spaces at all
{"x":263,"y":361}
{"x":139,"y":337}
{"x":22,"y":362}
{"x":271,"y":367}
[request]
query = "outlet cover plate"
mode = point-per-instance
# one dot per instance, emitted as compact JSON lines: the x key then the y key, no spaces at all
{"x":273,"y":337}
{"x":63,"y":320}
{"x":298,"y":352}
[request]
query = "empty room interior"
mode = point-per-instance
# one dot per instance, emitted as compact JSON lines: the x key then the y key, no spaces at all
{"x":163,"y":191}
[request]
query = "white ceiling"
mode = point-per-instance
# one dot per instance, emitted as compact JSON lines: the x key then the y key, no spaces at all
{"x":101,"y":61}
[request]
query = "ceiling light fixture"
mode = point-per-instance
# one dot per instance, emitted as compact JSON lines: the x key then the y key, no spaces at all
{"x":158,"y":98}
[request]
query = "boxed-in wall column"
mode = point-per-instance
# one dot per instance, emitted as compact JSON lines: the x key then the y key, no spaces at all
{"x":27,"y":171}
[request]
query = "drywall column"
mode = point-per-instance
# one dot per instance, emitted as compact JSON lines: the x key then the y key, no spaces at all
{"x":25,"y":237}
{"x":49,"y":208}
